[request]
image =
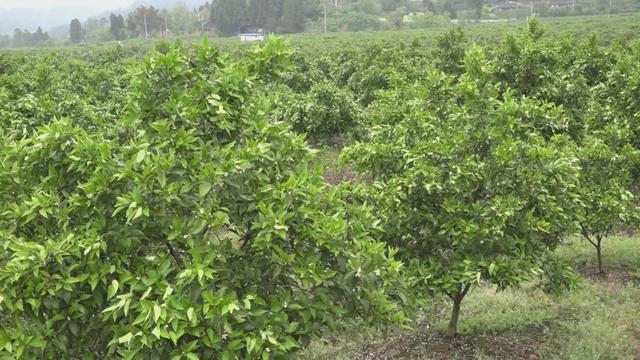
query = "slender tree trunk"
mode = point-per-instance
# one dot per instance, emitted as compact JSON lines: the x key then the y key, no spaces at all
{"x":456,"y":297}
{"x":452,"y":330}
{"x":599,"y":253}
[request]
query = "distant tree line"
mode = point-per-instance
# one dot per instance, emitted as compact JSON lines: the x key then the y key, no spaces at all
{"x":229,"y":17}
{"x":24,"y":38}
{"x":147,"y":21}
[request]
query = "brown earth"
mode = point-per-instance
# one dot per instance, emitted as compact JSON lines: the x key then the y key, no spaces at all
{"x":430,"y":344}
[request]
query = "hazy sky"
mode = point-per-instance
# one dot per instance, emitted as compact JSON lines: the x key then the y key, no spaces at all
{"x":44,"y":4}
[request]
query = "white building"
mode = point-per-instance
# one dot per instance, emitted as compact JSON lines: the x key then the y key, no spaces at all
{"x":251,"y":36}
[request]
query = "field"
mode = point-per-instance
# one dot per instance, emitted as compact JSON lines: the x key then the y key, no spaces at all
{"x":461,"y":192}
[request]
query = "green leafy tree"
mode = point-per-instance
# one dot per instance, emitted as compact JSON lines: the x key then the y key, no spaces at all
{"x":194,"y":229}
{"x":468,"y":188}
{"x":325,"y":113}
{"x":226,"y":16}
{"x":450,"y":51}
{"x":117,"y":27}
{"x":180,"y":20}
{"x":607,"y":160}
{"x":293,"y":16}
{"x":397,"y":17}
{"x":75,"y":31}
{"x":144,"y":21}
{"x":40,"y":36}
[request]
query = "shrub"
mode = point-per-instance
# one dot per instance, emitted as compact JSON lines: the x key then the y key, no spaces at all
{"x":197,"y":232}
{"x":469,"y":189}
{"x":326,"y":113}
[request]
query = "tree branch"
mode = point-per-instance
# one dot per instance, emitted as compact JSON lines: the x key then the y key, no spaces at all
{"x":585,"y":234}
{"x":465,"y":290}
{"x":450,"y":296}
{"x":173,"y":253}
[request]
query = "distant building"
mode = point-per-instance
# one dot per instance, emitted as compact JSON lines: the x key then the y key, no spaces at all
{"x":504,"y":5}
{"x":251,"y":33}
{"x":561,"y":3}
{"x":251,"y":37}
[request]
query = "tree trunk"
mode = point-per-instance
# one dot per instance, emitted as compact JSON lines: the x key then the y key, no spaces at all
{"x":599,"y":253}
{"x":452,"y":330}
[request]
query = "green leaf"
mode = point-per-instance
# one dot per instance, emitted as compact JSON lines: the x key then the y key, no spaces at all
{"x":113,"y":289}
{"x":138,"y":213}
{"x":167,"y":292}
{"x":190,"y":313}
{"x":251,"y":344}
{"x":146,"y":293}
{"x":204,"y":189}
{"x":157,"y":311}
{"x":126,"y":338}
{"x":141,"y":155}
{"x":162,"y":179}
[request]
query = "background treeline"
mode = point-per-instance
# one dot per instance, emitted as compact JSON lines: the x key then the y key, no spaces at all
{"x":229,"y":17}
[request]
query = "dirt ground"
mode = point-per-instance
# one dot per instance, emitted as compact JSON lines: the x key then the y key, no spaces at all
{"x":430,"y":344}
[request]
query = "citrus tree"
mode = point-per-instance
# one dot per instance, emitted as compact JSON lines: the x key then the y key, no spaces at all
{"x":324,"y":113}
{"x":468,"y":188}
{"x":190,"y":229}
{"x":607,"y":160}
{"x":605,"y":196}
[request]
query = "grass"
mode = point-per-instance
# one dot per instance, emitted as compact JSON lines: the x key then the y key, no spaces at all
{"x":327,"y":159}
{"x":619,"y":253}
{"x":599,"y":321}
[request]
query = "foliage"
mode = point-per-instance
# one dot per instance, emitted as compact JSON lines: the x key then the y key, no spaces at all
{"x":449,"y":54}
{"x":145,"y":21}
{"x":559,"y":72}
{"x":191,"y":229}
{"x":469,"y":188}
{"x":475,"y":164}
{"x":607,"y":160}
{"x":36,"y":90}
{"x":75,"y":31}
{"x":598,"y":321}
{"x":117,"y":27}
{"x":324,"y":113}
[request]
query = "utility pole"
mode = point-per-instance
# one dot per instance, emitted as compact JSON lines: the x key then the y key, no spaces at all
{"x":609,"y":12}
{"x":324,"y":7}
{"x":146,"y":32}
{"x":531,"y":7}
{"x":166,"y":27}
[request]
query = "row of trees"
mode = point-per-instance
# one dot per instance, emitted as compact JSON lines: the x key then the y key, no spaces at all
{"x":142,"y":22}
{"x":481,"y":167}
{"x":231,"y":16}
{"x":24,"y":38}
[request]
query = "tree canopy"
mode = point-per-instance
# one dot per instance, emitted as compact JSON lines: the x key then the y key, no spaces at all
{"x":190,"y":227}
{"x":470,"y":188}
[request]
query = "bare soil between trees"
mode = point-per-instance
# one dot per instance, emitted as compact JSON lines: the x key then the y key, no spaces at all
{"x":528,"y":343}
{"x":432,"y":344}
